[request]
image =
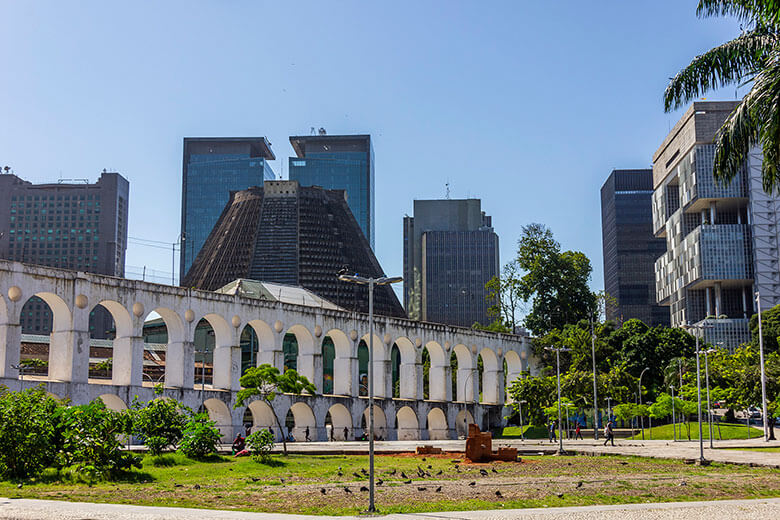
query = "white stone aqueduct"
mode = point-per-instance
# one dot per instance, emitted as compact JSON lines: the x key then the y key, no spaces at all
{"x":72,"y":295}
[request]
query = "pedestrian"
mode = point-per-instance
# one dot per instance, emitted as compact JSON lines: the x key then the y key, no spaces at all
{"x":307,"y":434}
{"x":552,"y":431}
{"x":331,"y":433}
{"x":578,"y":433}
{"x":609,"y":434}
{"x":346,"y":433}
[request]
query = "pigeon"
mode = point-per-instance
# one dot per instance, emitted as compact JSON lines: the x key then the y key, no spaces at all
{"x":483,"y":473}
{"x":380,"y":482}
{"x":622,"y":462}
{"x":363,"y":488}
{"x":358,"y":475}
{"x":430,"y":467}
{"x":392,"y":473}
{"x":472,"y":484}
{"x":403,"y":475}
{"x":363,"y":471}
{"x":423,"y":459}
{"x":440,"y":472}
{"x":579,"y":484}
{"x":346,"y":490}
{"x":493,"y":470}
{"x":559,"y":495}
{"x":281,"y":480}
{"x":255,"y":479}
{"x":419,"y":488}
{"x":323,"y":491}
{"x":438,"y":489}
{"x":498,"y":494}
{"x":407,"y":481}
{"x":339,"y":468}
{"x":340,"y":474}
{"x":457,"y":469}
{"x":196,"y":486}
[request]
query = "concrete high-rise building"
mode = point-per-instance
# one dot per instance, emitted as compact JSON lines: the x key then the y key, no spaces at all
{"x":339,"y":162}
{"x":77,"y":226}
{"x":450,"y":253}
{"x":211,"y":169}
{"x":721,"y":240}
{"x":630,"y":248}
{"x":294,"y":235}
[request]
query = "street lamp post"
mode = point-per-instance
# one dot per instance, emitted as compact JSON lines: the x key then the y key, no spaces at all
{"x":641,"y":418}
{"x":707,"y":380}
{"x":701,"y":327}
{"x":763,"y":374}
{"x":558,"y":351}
{"x":609,"y":408}
{"x":595,"y":399}
{"x":371,"y":282}
{"x":674,"y":424}
{"x":520,"y":410}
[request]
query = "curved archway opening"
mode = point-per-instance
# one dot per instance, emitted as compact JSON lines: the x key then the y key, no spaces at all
{"x":204,"y":343}
{"x":263,"y":419}
{"x":407,"y":424}
{"x":462,"y":374}
{"x":250,"y":346}
{"x":113,"y":402}
{"x":362,"y":355}
{"x":380,"y":424}
{"x":328,"y":361}
{"x":513,"y":367}
{"x":265,"y":337}
{"x":220,"y":413}
{"x":44,"y":353}
{"x":380,"y":364}
{"x":395,"y":370}
{"x":434,"y":370}
{"x":342,"y":361}
{"x":462,"y":421}
{"x":111,"y":349}
{"x":338,"y":423}
{"x":164,"y":359}
{"x":489,"y":376}
{"x":300,"y":422}
{"x":437,"y":425}
{"x":299,"y":352}
{"x":408,"y":368}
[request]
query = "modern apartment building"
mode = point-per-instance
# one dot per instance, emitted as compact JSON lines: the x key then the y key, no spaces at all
{"x":450,"y":253}
{"x":70,"y":225}
{"x":721,"y":240}
{"x":630,"y":247}
{"x":213,"y":167}
{"x":294,"y":235}
{"x":338,"y":162}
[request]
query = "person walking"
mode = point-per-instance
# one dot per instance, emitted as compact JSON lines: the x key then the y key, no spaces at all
{"x":307,"y":434}
{"x":609,"y":434}
{"x":578,"y":433}
{"x":552,"y":431}
{"x":346,"y":433}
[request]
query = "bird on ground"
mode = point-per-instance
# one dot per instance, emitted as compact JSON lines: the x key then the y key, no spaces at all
{"x":407,"y":481}
{"x":457,"y":469}
{"x":579,"y":484}
{"x":420,"y":488}
{"x":346,"y":490}
{"x":440,"y":472}
{"x":356,"y":474}
{"x":493,"y":470}
{"x":438,"y":489}
{"x":323,"y":491}
{"x":403,"y":475}
{"x":339,"y":468}
{"x":196,"y":486}
{"x":559,"y":495}
{"x":427,"y":474}
{"x":363,"y":471}
{"x":363,"y":488}
{"x":255,"y":479}
{"x":392,"y":473}
{"x":472,"y":484}
{"x":340,"y":474}
{"x":498,"y":494}
{"x":430,"y":467}
{"x":281,"y":480}
{"x":483,"y":473}
{"x":380,"y":482}
{"x":423,"y":459}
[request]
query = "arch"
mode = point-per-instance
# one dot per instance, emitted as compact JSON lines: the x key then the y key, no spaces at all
{"x":204,"y":343}
{"x":407,"y":424}
{"x":409,"y":368}
{"x":61,"y":316}
{"x":437,"y":425}
{"x":380,"y":423}
{"x":342,"y":362}
{"x":380,"y":364}
{"x":103,"y":327}
{"x":395,"y":371}
{"x":340,"y":418}
{"x":489,"y":379}
{"x":436,"y":381}
{"x":263,"y":418}
{"x":304,"y":418}
{"x":328,"y":362}
{"x":462,"y":421}
{"x":113,"y":402}
{"x":514,"y":366}
{"x":220,"y":413}
{"x":175,"y":362}
{"x":45,"y":313}
{"x":304,"y":352}
{"x":362,"y":361}
{"x":464,"y":374}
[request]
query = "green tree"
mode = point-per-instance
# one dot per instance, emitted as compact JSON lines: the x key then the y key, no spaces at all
{"x":260,"y":444}
{"x":503,"y":295}
{"x":265,"y":381}
{"x":770,"y":325}
{"x":539,"y":392}
{"x":751,"y":58}
{"x":160,"y":423}
{"x":200,"y":436}
{"x":556,"y":281}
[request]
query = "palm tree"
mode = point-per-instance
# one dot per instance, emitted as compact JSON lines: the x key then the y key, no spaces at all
{"x":752,"y":57}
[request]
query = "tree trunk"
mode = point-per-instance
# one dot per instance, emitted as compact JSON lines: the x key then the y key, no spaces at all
{"x":771,"y":425}
{"x":279,"y":425}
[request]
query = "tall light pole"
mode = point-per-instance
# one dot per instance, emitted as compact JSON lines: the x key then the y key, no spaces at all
{"x":595,"y":399}
{"x":609,"y":408}
{"x":641,"y":418}
{"x":763,"y":374}
{"x":520,"y":410}
{"x":371,"y":282}
{"x":674,"y":423}
{"x":700,"y":327}
{"x":707,"y":380}
{"x":558,"y":351}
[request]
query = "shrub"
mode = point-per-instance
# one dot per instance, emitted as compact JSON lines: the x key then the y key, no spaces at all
{"x":260,"y":443}
{"x":159,"y":424}
{"x":28,"y":421}
{"x":200,"y":437}
{"x":88,"y":441}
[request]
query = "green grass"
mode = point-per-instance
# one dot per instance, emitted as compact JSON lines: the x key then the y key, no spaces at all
{"x":727,"y":431}
{"x":770,"y":450}
{"x":293,"y":484}
{"x":530,"y":432}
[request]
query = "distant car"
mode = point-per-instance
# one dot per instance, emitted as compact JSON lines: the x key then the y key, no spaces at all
{"x":755,"y":413}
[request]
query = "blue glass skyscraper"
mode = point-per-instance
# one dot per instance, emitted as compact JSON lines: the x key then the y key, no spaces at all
{"x":339,"y":162}
{"x":211,"y":169}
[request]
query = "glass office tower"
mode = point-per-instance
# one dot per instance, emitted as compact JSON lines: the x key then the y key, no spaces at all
{"x":339,"y":162}
{"x":212,"y":168}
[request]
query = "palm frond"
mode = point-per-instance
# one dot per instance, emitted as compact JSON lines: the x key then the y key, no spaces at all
{"x":726,"y":64}
{"x":751,"y":11}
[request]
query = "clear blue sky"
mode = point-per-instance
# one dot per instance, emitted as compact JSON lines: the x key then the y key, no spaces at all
{"x":526,"y":105}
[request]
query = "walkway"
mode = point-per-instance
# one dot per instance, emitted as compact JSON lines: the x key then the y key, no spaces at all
{"x":759,"y":509}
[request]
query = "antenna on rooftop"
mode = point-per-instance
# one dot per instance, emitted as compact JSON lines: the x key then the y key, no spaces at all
{"x":447,"y":190}
{"x":322,"y":131}
{"x":312,"y":131}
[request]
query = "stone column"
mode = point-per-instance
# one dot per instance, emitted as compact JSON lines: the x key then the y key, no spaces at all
{"x":227,"y":367}
{"x":10,"y":348}
{"x":69,"y":350}
{"x":128,"y":361}
{"x":180,"y":364}
{"x":409,"y":381}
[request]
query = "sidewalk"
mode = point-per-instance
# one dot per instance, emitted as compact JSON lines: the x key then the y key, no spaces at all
{"x":759,"y":509}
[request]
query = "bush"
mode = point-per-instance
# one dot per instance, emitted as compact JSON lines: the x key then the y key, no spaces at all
{"x":260,"y":443}
{"x":88,"y":441}
{"x":200,"y":437}
{"x":159,"y":424}
{"x":28,"y":422}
